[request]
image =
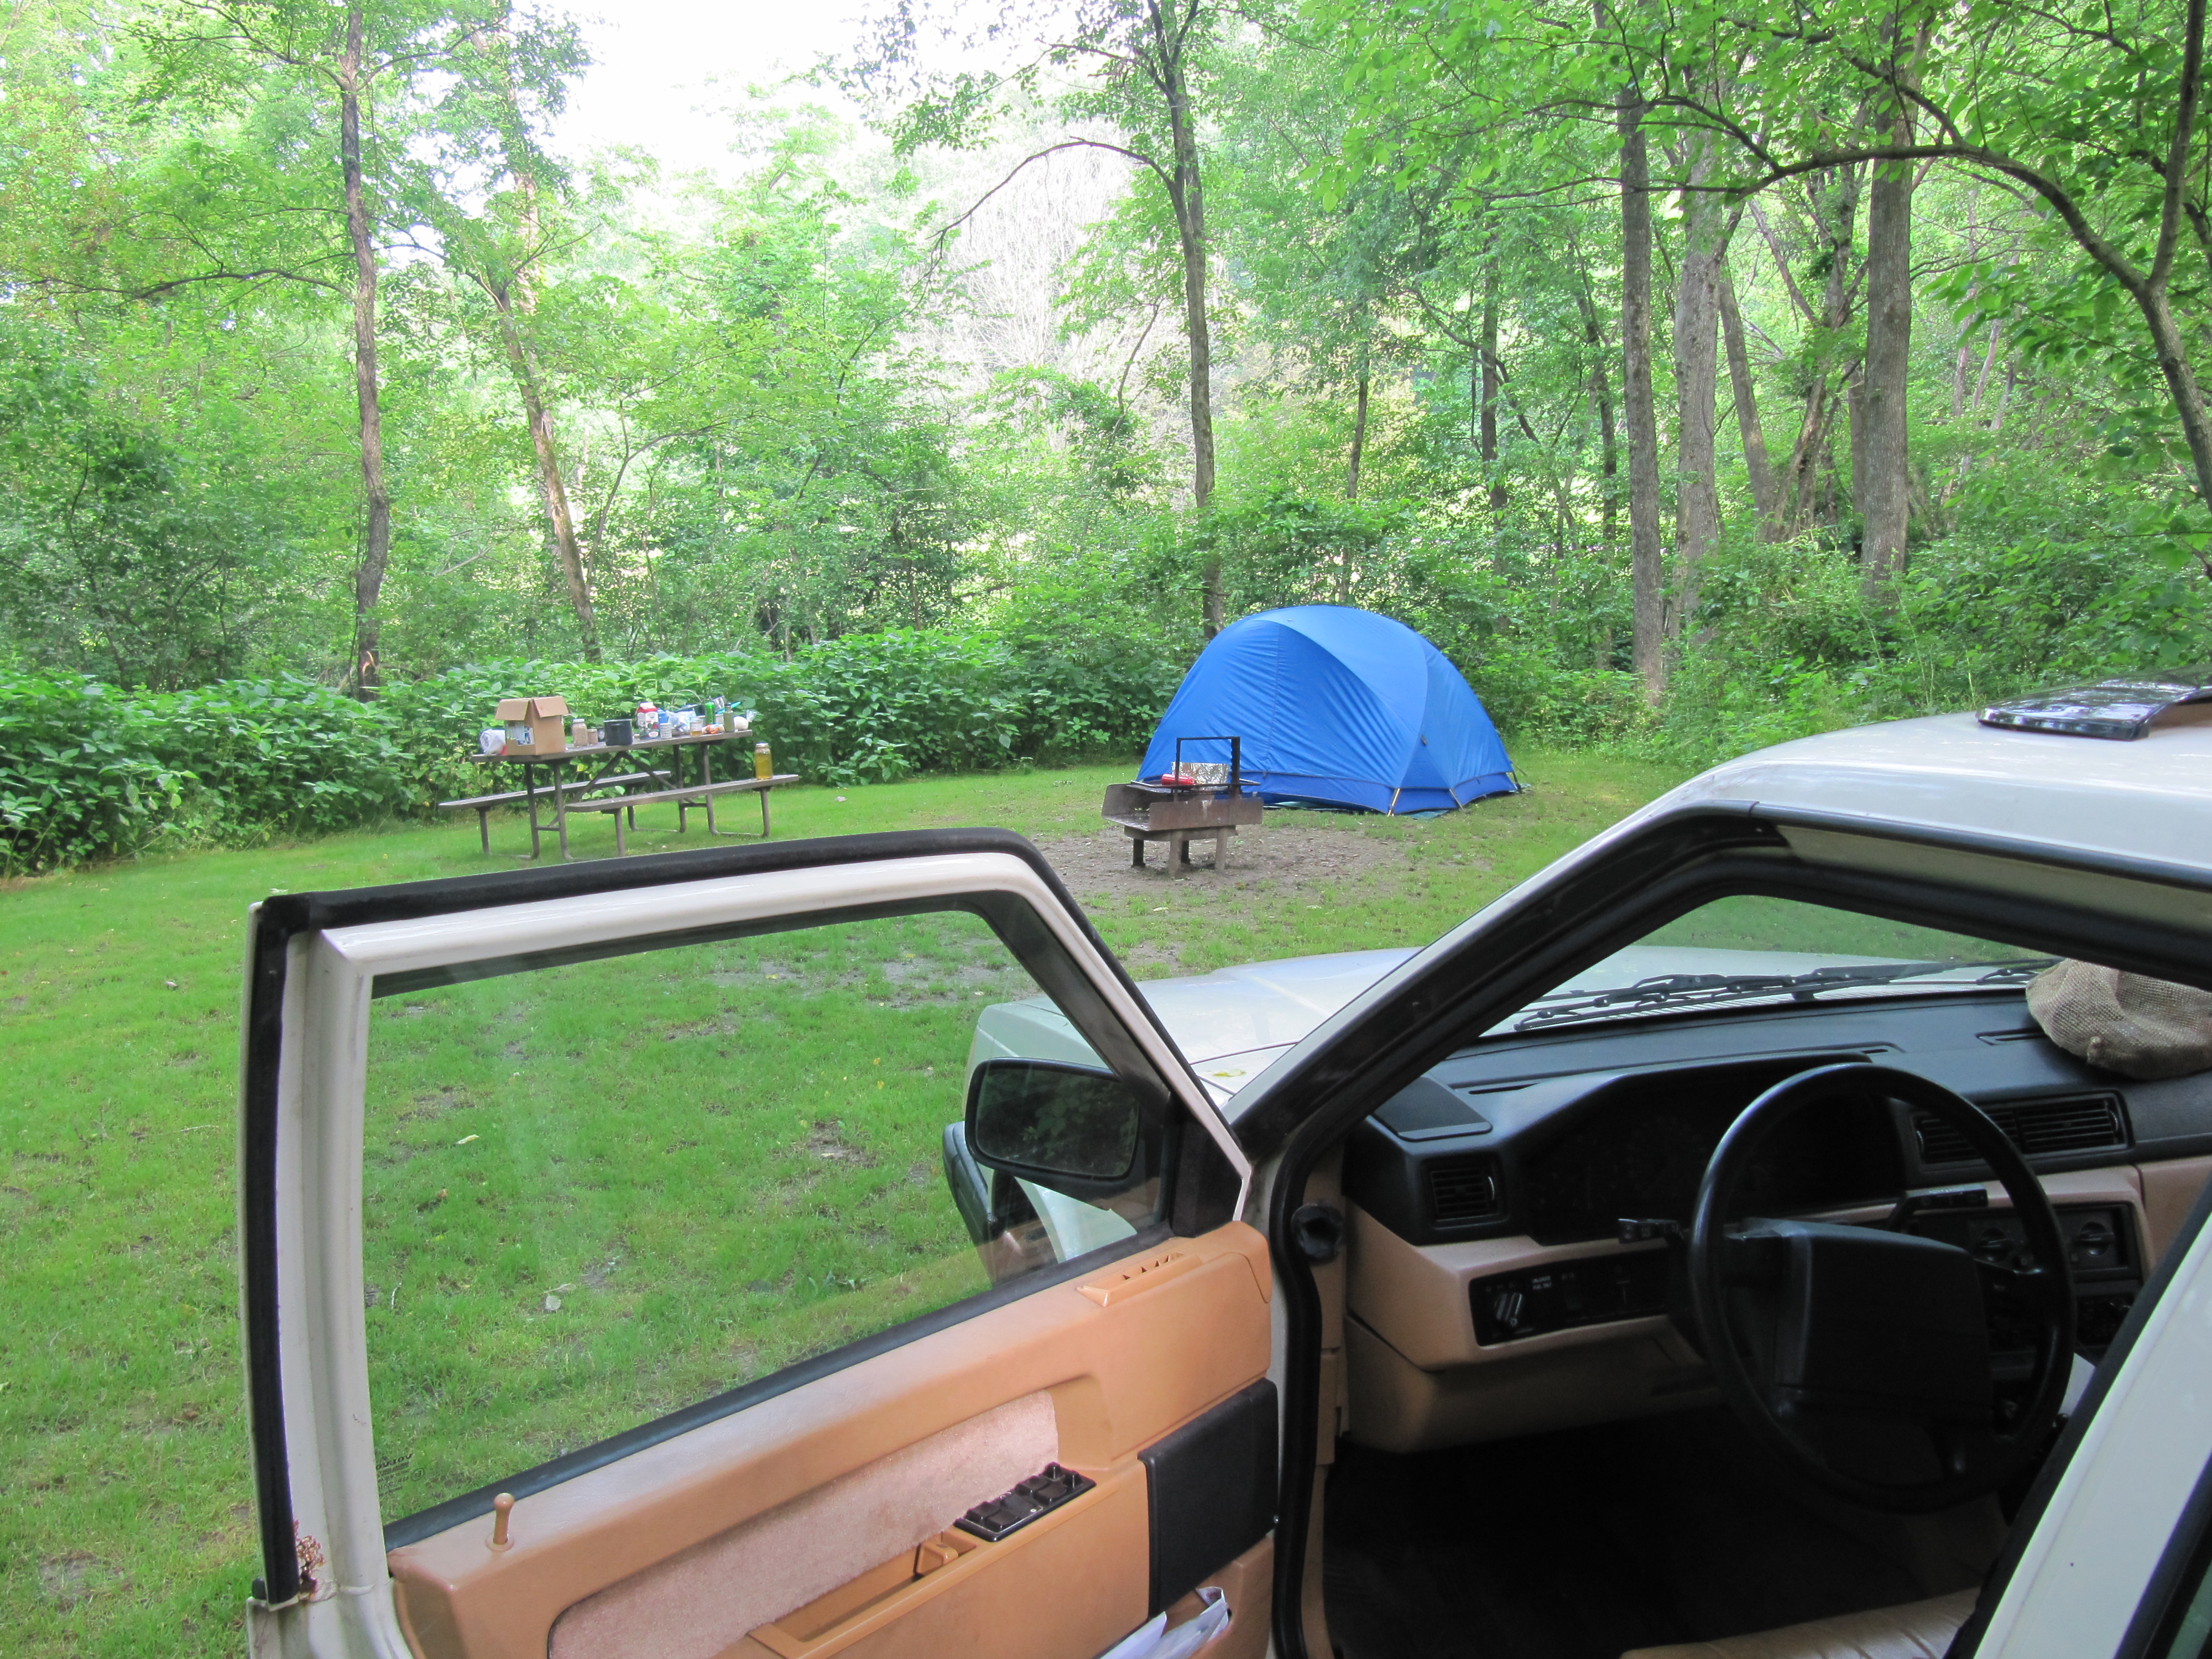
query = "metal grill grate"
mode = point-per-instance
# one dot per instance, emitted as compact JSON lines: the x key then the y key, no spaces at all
{"x":2078,"y":1124}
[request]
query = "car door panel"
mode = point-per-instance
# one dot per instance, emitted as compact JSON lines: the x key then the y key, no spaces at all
{"x":1117,"y":1378}
{"x":792,"y":1498}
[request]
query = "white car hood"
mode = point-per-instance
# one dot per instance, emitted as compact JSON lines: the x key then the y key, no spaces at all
{"x":1228,"y":1024}
{"x":1233,"y":1024}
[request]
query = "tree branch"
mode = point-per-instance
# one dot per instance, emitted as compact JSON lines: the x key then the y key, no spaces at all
{"x":1049,"y":149}
{"x":2185,"y":123}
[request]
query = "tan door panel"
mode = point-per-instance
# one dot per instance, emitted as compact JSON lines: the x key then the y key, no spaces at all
{"x":1063,"y":1584}
{"x":1119,"y":1374}
{"x":954,"y":1634}
{"x":798,"y":1551}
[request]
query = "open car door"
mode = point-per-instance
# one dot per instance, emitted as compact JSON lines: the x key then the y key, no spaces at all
{"x":635,"y":1264}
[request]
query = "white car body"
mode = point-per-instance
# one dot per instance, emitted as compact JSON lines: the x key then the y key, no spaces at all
{"x":2146,"y":802}
{"x":2112,"y":830}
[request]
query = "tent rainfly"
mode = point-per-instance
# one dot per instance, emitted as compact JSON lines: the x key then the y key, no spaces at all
{"x":1336,"y":706}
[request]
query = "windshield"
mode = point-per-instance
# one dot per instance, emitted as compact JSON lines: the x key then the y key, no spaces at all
{"x":1739,"y":951}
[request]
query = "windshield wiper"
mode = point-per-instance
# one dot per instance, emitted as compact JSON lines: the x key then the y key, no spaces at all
{"x":1673,"y":991}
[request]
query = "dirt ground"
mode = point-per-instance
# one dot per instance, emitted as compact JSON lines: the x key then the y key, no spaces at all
{"x":1277,"y":856}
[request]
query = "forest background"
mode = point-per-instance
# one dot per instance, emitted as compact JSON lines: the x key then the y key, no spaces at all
{"x":1695,"y":376}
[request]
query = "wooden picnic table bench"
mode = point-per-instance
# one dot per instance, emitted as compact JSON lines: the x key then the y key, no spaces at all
{"x":687,"y":796}
{"x":484,"y":803}
{"x":597,"y":761}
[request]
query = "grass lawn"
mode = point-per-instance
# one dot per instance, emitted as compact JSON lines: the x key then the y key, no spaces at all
{"x":127,"y":1528}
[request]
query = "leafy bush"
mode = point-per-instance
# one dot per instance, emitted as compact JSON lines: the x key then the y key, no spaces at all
{"x":77,"y":777}
{"x":87,"y":771}
{"x":277,"y":756}
{"x":1789,"y":647}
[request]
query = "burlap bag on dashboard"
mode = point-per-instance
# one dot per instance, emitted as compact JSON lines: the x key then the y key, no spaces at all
{"x":2126,"y":1023}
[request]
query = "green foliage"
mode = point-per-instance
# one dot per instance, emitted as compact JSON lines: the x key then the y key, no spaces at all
{"x":123,"y":553}
{"x":86,"y":771}
{"x":77,"y":778}
{"x":1792,"y":647}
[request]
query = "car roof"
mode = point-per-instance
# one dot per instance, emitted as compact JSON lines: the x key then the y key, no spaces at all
{"x":2144,"y":800}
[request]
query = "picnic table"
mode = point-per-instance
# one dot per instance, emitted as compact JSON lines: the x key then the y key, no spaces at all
{"x":603,"y":766}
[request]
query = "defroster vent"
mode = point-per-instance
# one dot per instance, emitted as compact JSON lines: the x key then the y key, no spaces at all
{"x":1463,"y":1190}
{"x":2079,"y":1123}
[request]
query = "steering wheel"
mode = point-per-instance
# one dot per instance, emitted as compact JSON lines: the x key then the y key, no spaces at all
{"x":1861,"y":1357}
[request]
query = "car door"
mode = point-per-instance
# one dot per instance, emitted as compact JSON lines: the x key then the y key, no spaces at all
{"x":2112,"y":1554}
{"x":635,"y":1262}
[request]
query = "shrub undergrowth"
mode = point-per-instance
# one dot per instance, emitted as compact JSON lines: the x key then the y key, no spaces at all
{"x":88,"y":771}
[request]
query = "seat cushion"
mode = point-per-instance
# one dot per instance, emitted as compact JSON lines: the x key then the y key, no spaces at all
{"x":1919,"y":1629}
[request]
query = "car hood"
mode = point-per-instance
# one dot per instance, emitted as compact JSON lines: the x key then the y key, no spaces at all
{"x":1229,"y":1024}
{"x":1233,"y":1024}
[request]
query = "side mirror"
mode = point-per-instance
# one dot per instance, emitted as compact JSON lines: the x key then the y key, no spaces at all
{"x":1073,"y":1128}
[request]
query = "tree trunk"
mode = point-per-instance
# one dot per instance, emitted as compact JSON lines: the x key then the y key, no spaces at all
{"x":1799,"y":490}
{"x":510,"y":294}
{"x":1188,"y":195}
{"x":551,"y":489}
{"x":1696,"y":388}
{"x":1358,"y":438}
{"x":2181,"y":384}
{"x":1602,"y":396}
{"x":1766,"y":493}
{"x":1645,"y":552}
{"x":1971,"y":409}
{"x":1883,"y":489}
{"x":1488,"y":444}
{"x":1804,"y":460}
{"x":1352,"y":482}
{"x":376,"y":535}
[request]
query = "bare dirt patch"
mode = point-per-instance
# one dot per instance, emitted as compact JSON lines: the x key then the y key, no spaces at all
{"x":71,"y":1580}
{"x":1277,"y":857}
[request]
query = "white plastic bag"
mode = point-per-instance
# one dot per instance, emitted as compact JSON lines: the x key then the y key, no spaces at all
{"x":1154,"y":1640}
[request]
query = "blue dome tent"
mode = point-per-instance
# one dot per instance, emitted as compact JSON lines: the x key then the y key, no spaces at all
{"x":1336,"y":706}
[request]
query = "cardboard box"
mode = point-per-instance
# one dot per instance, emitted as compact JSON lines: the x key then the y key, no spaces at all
{"x":535,"y":725}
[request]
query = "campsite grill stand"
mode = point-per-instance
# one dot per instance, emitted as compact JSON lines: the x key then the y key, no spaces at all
{"x":1156,"y":811}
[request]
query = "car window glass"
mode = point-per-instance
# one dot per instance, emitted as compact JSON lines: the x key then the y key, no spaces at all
{"x":594,"y":1193}
{"x":1745,"y":950}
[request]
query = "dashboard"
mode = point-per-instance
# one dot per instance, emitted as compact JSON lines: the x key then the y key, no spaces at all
{"x":1489,"y":1292}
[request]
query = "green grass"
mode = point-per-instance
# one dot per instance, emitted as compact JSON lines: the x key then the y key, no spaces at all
{"x":127,"y":1529}
{"x":596,"y":1193}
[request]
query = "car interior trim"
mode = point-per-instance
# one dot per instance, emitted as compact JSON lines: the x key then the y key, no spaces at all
{"x":1862,"y":829}
{"x":1210,"y":1486}
{"x":1623,"y":887}
{"x":695,"y":1603}
{"x":1112,"y":1396}
{"x":2036,"y":1506}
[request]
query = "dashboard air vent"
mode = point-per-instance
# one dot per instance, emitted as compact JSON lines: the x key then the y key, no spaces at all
{"x":1462,"y":1190}
{"x":2039,"y":1127}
